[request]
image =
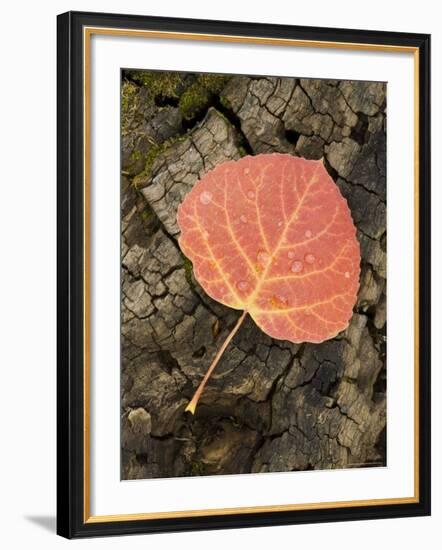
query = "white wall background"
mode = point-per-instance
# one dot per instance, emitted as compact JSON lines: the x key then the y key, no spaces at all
{"x":27,"y":272}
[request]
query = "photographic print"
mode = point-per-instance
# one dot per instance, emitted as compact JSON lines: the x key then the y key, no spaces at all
{"x":222,"y":274}
{"x":253,"y":274}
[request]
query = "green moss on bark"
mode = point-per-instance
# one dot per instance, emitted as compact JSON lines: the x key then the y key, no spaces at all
{"x":158,"y":83}
{"x":155,"y":150}
{"x":198,"y":96}
{"x":188,"y":269}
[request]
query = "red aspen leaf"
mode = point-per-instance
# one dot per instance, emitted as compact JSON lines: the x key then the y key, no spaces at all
{"x":272,"y":235}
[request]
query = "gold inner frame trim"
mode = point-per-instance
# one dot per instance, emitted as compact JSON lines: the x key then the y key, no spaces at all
{"x":87,"y":33}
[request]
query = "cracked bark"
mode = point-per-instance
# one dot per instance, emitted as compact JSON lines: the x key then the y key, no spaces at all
{"x":269,"y":405}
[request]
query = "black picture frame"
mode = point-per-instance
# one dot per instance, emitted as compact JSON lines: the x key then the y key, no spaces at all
{"x":71,"y":519}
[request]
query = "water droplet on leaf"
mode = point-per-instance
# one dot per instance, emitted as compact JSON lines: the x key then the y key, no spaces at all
{"x":308,"y":233}
{"x":297,"y":266}
{"x":263,"y":257}
{"x":347,"y":275}
{"x":206,"y":197}
{"x":243,"y":218}
{"x":291,"y":254}
{"x":242,"y":285}
{"x":251,"y":194}
{"x":309,"y":258}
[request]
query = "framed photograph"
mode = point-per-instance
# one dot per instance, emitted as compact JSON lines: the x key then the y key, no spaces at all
{"x":243,"y":274}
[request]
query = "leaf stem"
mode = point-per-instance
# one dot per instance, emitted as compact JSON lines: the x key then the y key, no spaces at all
{"x":193,"y":403}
